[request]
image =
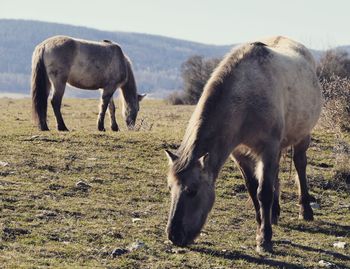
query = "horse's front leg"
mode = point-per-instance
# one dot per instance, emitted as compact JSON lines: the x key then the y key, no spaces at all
{"x":267,"y":170}
{"x":247,"y":166}
{"x":106,"y":97}
{"x":111,"y":106}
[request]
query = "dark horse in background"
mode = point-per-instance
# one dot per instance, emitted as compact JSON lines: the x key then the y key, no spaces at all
{"x":87,"y":65}
{"x":262,"y":98}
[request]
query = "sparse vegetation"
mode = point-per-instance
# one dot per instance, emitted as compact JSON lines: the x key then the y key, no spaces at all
{"x":85,"y":199}
{"x":336,"y":111}
{"x":333,"y":63}
{"x":194,"y":72}
{"x":334,"y":72}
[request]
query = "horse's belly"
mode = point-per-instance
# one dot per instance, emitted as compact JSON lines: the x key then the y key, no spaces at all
{"x":300,"y":118}
{"x":86,"y":78}
{"x":83,"y":84}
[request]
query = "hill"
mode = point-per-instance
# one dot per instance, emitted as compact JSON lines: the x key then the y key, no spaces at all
{"x":156,"y":59}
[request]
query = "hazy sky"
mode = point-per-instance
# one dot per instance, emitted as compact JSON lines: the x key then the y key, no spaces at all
{"x":317,"y":23}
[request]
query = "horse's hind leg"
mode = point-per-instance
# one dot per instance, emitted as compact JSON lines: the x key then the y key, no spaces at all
{"x":300,"y":162}
{"x":56,"y":101}
{"x":275,"y":214}
{"x":111,"y":106}
{"x":107,"y":94}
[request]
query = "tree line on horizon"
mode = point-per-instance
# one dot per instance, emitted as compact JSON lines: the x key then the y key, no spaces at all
{"x":196,"y":70}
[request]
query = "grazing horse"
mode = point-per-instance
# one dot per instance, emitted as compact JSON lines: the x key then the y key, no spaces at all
{"x":87,"y":65}
{"x":262,"y":98}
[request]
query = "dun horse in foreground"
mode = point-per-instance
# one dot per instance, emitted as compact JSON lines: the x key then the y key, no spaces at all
{"x":263,"y":97}
{"x":87,"y":65}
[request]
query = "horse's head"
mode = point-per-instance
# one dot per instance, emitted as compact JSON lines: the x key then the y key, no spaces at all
{"x":130,"y":110}
{"x":192,"y":197}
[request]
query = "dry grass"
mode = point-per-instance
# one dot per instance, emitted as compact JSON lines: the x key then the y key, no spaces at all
{"x":46,"y":220}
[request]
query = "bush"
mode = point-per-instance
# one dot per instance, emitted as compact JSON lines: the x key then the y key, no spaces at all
{"x":195,"y":73}
{"x":175,"y":98}
{"x":333,"y":63}
{"x":336,"y":110}
{"x":336,"y":117}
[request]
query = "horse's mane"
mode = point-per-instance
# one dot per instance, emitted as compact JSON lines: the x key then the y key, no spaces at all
{"x":197,"y":134}
{"x":130,"y":78}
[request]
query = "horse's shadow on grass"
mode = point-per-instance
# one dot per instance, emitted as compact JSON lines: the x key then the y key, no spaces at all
{"x":317,"y":250}
{"x":324,"y":227}
{"x":236,"y":255}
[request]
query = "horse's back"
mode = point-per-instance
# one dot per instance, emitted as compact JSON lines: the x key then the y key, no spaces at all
{"x":83,"y":63}
{"x":294,"y":83}
{"x":98,"y":62}
{"x":273,"y":83}
{"x":286,"y":45}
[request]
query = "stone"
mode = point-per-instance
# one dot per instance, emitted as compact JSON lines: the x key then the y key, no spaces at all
{"x":136,"y":245}
{"x":341,"y":245}
{"x":118,"y":252}
{"x":82,"y":185}
{"x":3,"y":164}
{"x":315,"y":205}
{"x":326,"y":264}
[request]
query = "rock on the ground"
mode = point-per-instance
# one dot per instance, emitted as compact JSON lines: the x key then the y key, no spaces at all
{"x":3,"y":164}
{"x":136,"y":245}
{"x":326,"y":264}
{"x":136,"y":220}
{"x":315,"y":205}
{"x":83,"y":185}
{"x":118,"y":252}
{"x":339,"y":245}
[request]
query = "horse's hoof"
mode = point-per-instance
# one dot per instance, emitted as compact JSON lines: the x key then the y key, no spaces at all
{"x":102,"y":129}
{"x":44,"y":128}
{"x":306,"y":213}
{"x":63,"y":129}
{"x":264,"y":248}
{"x":115,"y":128}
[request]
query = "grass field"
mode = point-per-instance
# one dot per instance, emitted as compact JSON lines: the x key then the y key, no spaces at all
{"x":46,"y":220}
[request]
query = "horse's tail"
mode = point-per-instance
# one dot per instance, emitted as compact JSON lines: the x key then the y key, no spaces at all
{"x":39,"y":88}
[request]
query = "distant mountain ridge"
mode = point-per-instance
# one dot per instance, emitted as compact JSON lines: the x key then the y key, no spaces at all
{"x":156,"y":59}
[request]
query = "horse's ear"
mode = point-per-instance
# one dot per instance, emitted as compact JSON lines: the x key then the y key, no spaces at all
{"x":141,"y":96}
{"x":171,"y":156}
{"x":204,"y":160}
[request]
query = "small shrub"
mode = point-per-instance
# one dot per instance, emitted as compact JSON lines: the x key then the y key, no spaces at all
{"x":341,"y":169}
{"x":195,"y":73}
{"x":175,"y":98}
{"x":336,"y":111}
{"x":333,"y":62}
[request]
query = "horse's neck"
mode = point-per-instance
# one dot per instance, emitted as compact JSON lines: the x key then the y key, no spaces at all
{"x":210,"y":133}
{"x":129,"y":88}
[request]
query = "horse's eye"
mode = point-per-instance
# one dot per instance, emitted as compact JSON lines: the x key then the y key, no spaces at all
{"x":190,"y":192}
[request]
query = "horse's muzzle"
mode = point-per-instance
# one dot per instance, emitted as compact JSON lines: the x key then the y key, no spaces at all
{"x":179,"y":238}
{"x":130,"y":124}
